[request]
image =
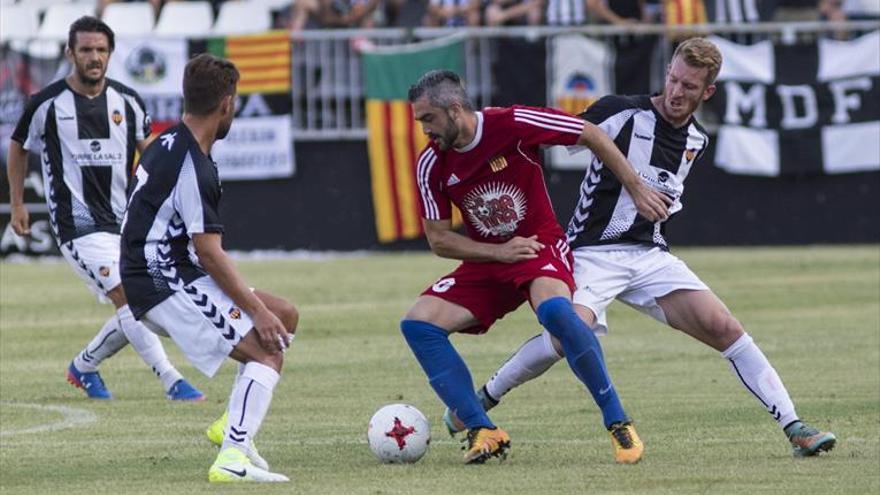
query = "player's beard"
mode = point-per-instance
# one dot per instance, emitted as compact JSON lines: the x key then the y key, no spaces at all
{"x":683,"y":110}
{"x":449,"y":135}
{"x":223,"y":129}
{"x":82,"y":72}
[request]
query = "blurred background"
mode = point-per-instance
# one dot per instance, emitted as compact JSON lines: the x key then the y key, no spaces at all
{"x":322,"y":153}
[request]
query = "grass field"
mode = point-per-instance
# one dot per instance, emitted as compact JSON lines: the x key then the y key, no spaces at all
{"x":814,"y":311}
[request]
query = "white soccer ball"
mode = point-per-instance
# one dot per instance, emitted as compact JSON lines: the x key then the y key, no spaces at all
{"x":399,"y":433}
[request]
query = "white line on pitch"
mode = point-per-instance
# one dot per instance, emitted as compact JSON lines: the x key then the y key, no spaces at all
{"x":71,"y":417}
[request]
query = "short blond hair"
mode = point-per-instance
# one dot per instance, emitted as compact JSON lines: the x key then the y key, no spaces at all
{"x":700,"y":53}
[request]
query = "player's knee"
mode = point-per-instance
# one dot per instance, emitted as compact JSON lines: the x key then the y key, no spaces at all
{"x":289,"y":316}
{"x":272,"y":360}
{"x":724,"y":327}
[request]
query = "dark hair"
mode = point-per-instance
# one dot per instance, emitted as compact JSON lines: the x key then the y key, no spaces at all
{"x":90,"y":24}
{"x":206,"y":81}
{"x":442,"y":88}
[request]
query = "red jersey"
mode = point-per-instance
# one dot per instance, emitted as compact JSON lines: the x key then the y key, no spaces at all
{"x":496,"y":180}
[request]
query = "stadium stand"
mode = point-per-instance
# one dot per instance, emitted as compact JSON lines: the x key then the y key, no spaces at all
{"x":243,"y":18}
{"x":56,"y":23}
{"x":185,"y":19}
{"x":129,"y":19}
{"x":18,"y":22}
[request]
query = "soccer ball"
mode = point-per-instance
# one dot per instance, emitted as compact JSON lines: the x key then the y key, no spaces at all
{"x":399,"y":433}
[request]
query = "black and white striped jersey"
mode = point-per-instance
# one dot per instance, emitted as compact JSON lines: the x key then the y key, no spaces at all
{"x":662,"y":156}
{"x":176,"y":194}
{"x":87,"y":148}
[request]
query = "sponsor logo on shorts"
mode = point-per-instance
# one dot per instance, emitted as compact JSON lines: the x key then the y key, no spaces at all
{"x":443,"y":285}
{"x":104,"y":271}
{"x":549,"y":267}
{"x":235,"y":313}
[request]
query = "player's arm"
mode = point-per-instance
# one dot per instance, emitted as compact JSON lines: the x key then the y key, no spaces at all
{"x":448,"y":243}
{"x":213,"y":258}
{"x":649,"y":202}
{"x":143,"y":143}
{"x":16,"y":170}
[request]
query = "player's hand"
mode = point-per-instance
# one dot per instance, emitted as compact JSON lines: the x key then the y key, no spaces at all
{"x":20,"y":220}
{"x":273,"y":336}
{"x":519,"y":249}
{"x":650,"y":203}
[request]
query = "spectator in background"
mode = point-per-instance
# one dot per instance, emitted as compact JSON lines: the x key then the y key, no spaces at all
{"x":315,"y":14}
{"x":514,"y":12}
{"x":796,"y":10}
{"x":632,"y":62}
{"x":566,"y":12}
{"x":621,"y":13}
{"x":453,"y":13}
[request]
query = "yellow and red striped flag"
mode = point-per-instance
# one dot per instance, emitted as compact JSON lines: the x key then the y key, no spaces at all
{"x":394,"y":137}
{"x":263,"y":60}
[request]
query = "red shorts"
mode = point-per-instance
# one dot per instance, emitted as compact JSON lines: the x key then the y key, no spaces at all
{"x":491,"y":290}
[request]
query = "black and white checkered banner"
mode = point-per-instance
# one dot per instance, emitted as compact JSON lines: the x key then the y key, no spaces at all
{"x":807,"y":108}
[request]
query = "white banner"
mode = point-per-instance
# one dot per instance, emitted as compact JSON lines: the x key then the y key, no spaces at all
{"x":149,"y":66}
{"x":256,"y":148}
{"x":581,"y":72}
{"x":800,"y":109}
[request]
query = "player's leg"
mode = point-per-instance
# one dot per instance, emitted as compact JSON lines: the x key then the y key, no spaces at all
{"x":599,"y":276}
{"x":150,"y":349}
{"x":426,"y":328}
{"x":95,"y":258}
{"x":208,"y":327}
{"x":552,"y":303}
{"x":83,"y":370}
{"x":216,"y":433}
{"x":702,"y":315}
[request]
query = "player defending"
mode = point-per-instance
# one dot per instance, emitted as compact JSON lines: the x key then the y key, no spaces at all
{"x":181,"y":282}
{"x":487,"y":163}
{"x":85,"y":128}
{"x":620,"y":254}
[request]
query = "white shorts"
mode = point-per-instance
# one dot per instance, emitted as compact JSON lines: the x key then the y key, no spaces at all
{"x":95,"y":258}
{"x":637,"y":275}
{"x":203,"y":321}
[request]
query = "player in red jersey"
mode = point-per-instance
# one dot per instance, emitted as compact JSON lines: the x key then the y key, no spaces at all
{"x":488,"y":164}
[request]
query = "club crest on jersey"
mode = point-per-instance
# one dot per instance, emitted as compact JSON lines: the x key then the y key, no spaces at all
{"x":690,"y":154}
{"x":495,"y":209}
{"x":498,"y":163}
{"x":116,"y":117}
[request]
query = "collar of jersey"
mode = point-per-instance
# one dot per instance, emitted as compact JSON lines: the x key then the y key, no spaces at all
{"x":477,"y":136}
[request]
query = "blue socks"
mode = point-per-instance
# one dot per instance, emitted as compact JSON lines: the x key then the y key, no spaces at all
{"x":584,"y":354}
{"x":447,"y":372}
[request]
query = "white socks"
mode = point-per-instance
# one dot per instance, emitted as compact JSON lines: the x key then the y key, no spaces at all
{"x":248,"y":404}
{"x":531,"y":360}
{"x":754,"y":371}
{"x":148,"y":345}
{"x":106,"y":343}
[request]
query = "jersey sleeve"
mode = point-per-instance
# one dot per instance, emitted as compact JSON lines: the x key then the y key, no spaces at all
{"x":610,"y":113}
{"x":546,"y":126}
{"x":142,"y":119}
{"x":197,"y":199}
{"x":433,"y":202}
{"x":27,"y":131}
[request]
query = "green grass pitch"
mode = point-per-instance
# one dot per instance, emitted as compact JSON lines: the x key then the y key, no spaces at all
{"x":815,"y":311}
